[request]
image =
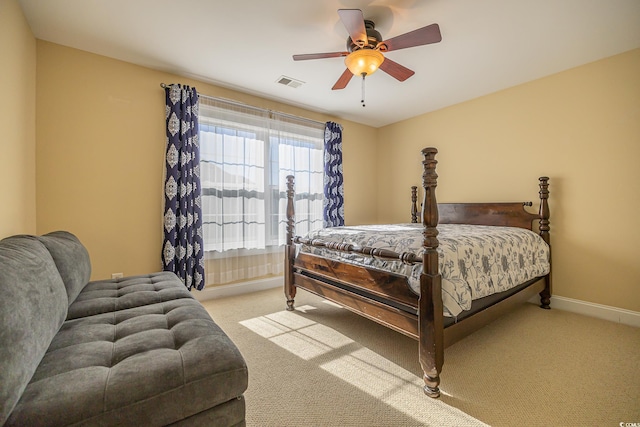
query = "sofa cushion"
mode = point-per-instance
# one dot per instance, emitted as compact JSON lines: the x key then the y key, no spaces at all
{"x":104,"y":296}
{"x":148,"y":365}
{"x":72,"y":260}
{"x":33,"y":305}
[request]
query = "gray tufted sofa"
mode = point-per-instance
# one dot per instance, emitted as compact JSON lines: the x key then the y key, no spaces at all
{"x":138,"y":351}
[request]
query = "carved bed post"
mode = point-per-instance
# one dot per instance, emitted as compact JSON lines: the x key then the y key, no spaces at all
{"x":414,"y":206}
{"x":289,"y":253}
{"x":430,"y":316}
{"x":545,"y":295}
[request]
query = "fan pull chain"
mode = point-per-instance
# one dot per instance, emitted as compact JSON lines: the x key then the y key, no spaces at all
{"x":362,"y":100}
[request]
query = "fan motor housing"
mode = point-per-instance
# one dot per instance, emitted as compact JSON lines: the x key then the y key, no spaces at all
{"x":373,"y":38}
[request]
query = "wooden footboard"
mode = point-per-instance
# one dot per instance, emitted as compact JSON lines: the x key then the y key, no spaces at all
{"x":387,"y":298}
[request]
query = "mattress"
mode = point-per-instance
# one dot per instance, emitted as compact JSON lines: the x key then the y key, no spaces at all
{"x":474,"y":260}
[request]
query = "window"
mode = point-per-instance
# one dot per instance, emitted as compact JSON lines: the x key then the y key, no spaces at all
{"x":245,"y":155}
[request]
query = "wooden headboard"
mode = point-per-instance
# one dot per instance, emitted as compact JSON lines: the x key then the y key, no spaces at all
{"x":503,"y":214}
{"x":500,"y":214}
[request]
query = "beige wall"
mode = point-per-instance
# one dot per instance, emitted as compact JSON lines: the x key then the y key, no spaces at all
{"x":17,"y":122}
{"x":580,"y":127}
{"x":100,"y":151}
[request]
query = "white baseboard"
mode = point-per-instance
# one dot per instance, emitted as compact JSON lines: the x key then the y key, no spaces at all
{"x":239,"y":288}
{"x":606,"y":312}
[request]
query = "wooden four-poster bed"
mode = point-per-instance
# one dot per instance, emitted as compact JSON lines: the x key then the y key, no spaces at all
{"x":389,"y":298}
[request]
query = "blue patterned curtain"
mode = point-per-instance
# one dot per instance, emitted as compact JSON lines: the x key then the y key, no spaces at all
{"x":333,"y":205}
{"x":182,"y":251}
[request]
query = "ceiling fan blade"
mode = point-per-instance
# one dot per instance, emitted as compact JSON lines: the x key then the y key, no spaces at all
{"x":343,"y":81}
{"x":396,"y":70}
{"x":353,"y":21}
{"x":421,"y":36}
{"x":306,"y":56}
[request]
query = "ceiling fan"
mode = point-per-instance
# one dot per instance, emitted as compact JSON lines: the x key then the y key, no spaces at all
{"x":365,"y":46}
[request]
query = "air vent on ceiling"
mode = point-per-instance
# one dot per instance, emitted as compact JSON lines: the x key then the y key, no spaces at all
{"x":288,"y":81}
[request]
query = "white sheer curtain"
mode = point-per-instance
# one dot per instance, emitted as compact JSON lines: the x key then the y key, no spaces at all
{"x":246,"y":154}
{"x":301,"y":154}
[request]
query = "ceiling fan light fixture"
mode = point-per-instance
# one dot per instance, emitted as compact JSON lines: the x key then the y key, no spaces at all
{"x":363,"y":61}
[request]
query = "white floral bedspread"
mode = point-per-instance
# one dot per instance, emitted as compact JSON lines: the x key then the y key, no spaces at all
{"x":474,"y":260}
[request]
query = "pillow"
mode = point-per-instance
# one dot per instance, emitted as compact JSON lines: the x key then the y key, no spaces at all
{"x":72,"y":260}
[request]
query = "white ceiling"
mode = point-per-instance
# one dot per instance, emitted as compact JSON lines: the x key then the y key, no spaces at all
{"x":487,"y":45}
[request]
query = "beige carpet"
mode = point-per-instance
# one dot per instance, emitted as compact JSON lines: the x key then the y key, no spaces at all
{"x":324,"y":366}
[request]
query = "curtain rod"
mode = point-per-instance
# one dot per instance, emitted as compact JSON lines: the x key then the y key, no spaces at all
{"x":240,"y":104}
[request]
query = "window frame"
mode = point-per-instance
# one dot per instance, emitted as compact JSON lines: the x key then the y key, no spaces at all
{"x":273,"y":190}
